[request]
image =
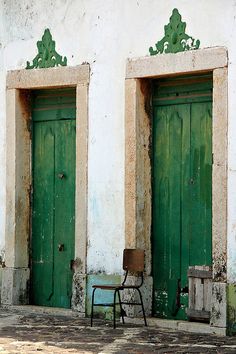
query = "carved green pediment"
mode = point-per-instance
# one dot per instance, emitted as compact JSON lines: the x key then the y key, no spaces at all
{"x":47,"y":56}
{"x":175,"y":39}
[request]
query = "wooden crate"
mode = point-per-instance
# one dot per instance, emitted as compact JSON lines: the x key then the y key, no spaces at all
{"x":200,"y":293}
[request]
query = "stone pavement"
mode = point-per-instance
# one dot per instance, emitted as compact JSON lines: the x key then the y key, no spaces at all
{"x":24,"y":332}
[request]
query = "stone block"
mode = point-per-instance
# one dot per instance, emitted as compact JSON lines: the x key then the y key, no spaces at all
{"x":132,"y":295}
{"x":78,"y":300}
{"x":15,"y":286}
{"x":218,"y":305}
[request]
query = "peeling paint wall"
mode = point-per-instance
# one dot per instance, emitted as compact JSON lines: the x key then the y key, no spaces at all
{"x":105,"y":34}
{"x":2,"y":135}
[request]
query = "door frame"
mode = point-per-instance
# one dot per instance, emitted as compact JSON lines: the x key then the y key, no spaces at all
{"x":138,"y":118}
{"x":19,"y":83}
{"x":167,"y":111}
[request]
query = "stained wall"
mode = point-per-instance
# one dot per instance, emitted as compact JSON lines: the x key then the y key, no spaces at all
{"x":105,"y":34}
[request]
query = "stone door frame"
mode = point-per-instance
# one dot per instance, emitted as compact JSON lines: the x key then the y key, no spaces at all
{"x":138,"y":197}
{"x":19,"y":83}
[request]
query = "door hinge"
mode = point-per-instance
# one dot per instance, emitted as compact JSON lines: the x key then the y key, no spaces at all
{"x":212,"y":156}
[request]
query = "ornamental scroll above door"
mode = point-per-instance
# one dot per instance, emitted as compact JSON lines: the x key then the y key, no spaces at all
{"x":47,"y":56}
{"x":175,"y":39}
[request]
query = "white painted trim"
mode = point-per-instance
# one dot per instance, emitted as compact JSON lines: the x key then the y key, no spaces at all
{"x":176,"y":64}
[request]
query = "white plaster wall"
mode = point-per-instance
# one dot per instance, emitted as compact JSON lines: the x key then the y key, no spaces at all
{"x":105,"y":33}
{"x":2,"y":138}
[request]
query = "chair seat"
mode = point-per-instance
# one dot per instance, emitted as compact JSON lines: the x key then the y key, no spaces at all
{"x":108,"y":287}
{"x":114,"y":287}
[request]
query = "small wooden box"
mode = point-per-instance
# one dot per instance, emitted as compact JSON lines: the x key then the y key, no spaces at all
{"x":200,"y":293}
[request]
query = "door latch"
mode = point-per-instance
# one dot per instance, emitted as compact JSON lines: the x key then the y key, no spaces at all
{"x":61,"y":175}
{"x":60,"y":247}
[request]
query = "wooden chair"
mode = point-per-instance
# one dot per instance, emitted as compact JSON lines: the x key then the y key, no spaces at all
{"x":133,"y":261}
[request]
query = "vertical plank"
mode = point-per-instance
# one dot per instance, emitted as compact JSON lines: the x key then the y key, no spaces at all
{"x":198,"y":294}
{"x":185,"y":193}
{"x":43,"y":213}
{"x":175,"y":117}
{"x":201,"y":167}
{"x":53,"y":221}
{"x":191,"y":293}
{"x":195,"y":250}
{"x":64,"y":210}
{"x":207,"y":294}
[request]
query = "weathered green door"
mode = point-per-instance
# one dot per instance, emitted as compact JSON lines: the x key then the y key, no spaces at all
{"x":53,"y":204}
{"x":182,"y":188}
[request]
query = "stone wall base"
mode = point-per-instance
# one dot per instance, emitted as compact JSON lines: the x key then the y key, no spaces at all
{"x":132,"y":295}
{"x":78,"y":300}
{"x":15,"y":286}
{"x":218,"y":305}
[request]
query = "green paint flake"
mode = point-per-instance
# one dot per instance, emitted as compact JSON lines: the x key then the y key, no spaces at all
{"x":47,"y":56}
{"x":181,"y":188}
{"x":175,"y":39}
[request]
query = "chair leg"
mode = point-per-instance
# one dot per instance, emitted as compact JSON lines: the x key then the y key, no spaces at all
{"x":121,"y":309}
{"x":141,"y":300}
{"x":114,"y":310}
{"x":92,"y":307}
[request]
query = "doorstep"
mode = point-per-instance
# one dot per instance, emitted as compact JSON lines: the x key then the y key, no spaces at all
{"x":192,"y":327}
{"x":40,"y":310}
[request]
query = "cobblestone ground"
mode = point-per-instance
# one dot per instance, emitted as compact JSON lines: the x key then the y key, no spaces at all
{"x":24,"y":333}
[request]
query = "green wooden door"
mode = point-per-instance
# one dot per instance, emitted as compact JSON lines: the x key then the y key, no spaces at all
{"x":182,"y":188}
{"x":53,"y":204}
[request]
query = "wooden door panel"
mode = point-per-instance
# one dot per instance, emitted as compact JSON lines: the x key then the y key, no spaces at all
{"x":201,"y":175}
{"x":43,"y":212}
{"x":181,"y":207}
{"x":171,"y":152}
{"x":53,"y":213}
{"x":65,"y":209}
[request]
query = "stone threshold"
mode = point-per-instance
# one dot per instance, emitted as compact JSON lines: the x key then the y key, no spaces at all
{"x":40,"y":310}
{"x":192,"y":327}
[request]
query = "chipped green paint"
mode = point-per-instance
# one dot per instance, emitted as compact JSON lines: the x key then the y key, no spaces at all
{"x":182,"y":170}
{"x":47,"y":56}
{"x":231,"y":309}
{"x":175,"y":39}
{"x":53,"y":202}
{"x":101,"y":296}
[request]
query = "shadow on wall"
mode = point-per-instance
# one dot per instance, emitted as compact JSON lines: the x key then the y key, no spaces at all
{"x":2,"y":258}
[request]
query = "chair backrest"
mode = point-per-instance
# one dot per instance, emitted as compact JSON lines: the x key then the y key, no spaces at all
{"x":133,"y":260}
